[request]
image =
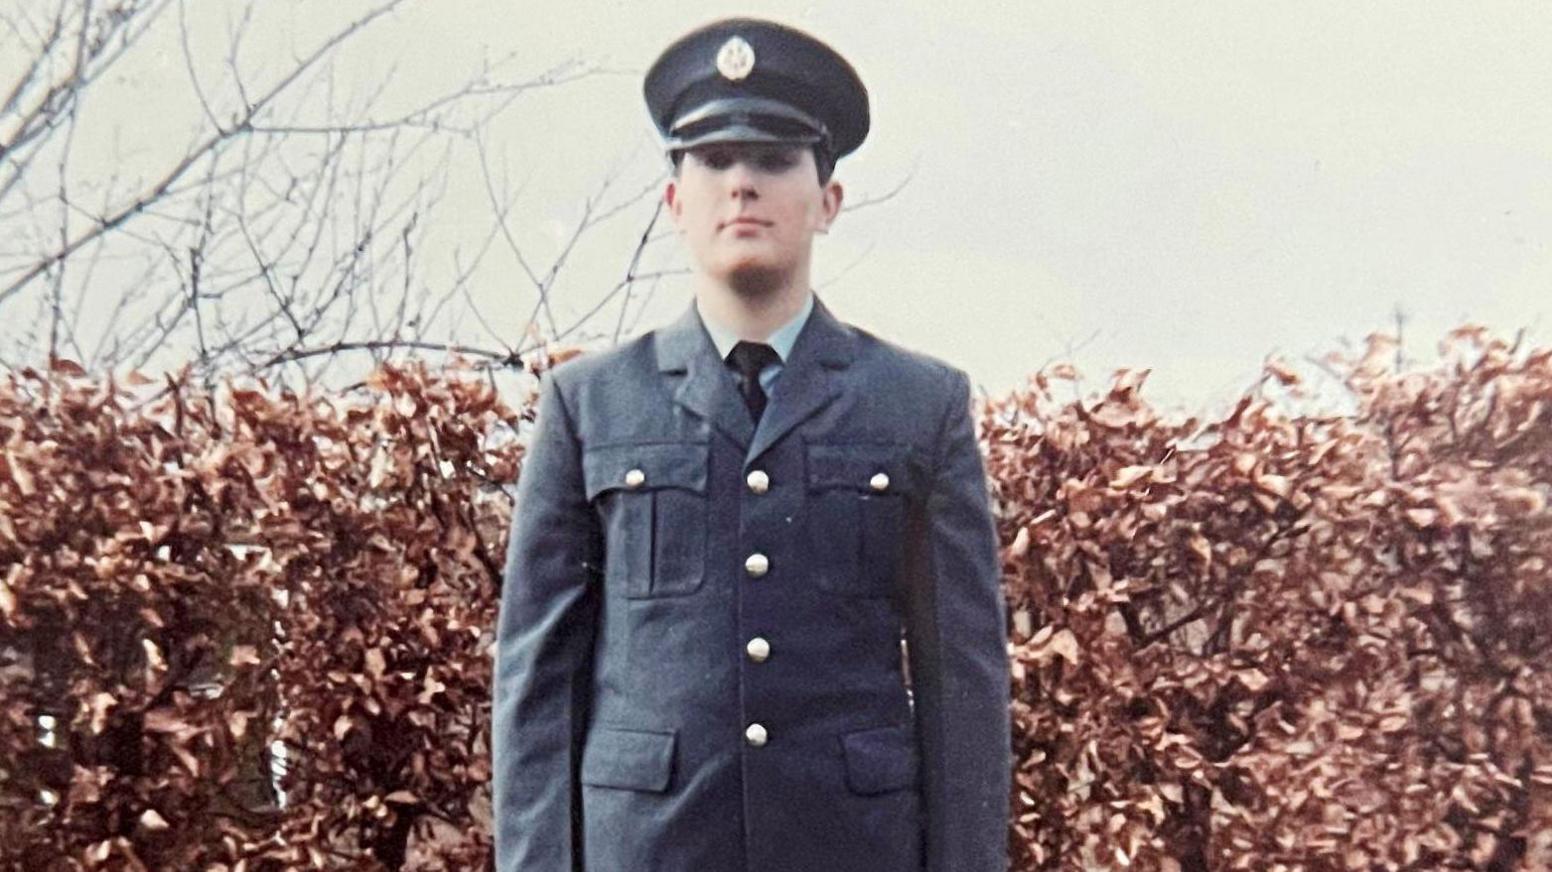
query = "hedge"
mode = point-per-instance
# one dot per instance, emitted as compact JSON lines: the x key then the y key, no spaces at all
{"x":250,"y":628}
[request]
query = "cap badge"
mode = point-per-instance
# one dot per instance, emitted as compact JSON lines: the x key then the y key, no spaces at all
{"x":735,"y":60}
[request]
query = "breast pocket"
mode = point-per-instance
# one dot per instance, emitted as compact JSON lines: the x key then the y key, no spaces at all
{"x":652,"y":501}
{"x":858,"y":495}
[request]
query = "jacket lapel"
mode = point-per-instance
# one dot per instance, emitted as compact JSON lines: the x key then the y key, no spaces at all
{"x":701,"y":382}
{"x":809,"y":380}
{"x":703,"y":385}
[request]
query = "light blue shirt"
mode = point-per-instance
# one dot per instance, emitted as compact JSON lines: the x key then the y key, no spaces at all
{"x":782,"y":339}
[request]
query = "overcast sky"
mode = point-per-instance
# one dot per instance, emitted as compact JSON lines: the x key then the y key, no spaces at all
{"x":1181,"y":186}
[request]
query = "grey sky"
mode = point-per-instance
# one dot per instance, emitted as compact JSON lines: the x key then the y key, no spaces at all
{"x":1198,"y":184}
{"x":1182,"y":186}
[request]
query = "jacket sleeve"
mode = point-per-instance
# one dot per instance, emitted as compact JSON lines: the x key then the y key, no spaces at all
{"x":956,"y":642}
{"x":543,"y":659}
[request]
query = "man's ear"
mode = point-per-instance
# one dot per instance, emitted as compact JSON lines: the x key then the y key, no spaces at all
{"x":830,"y":207}
{"x":671,"y":199}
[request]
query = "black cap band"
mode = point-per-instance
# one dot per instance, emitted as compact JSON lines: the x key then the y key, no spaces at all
{"x":746,"y":119}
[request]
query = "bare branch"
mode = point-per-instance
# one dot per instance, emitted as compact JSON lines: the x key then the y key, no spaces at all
{"x":630,"y":269}
{"x":26,"y":79}
{"x":203,"y":149}
{"x":503,"y":358}
{"x":884,"y":197}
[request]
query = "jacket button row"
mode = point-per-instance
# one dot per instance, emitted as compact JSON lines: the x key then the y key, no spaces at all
{"x":757,"y":564}
{"x":758,"y":481}
{"x":755,"y":735}
{"x":758,"y":649}
{"x":635,"y":478}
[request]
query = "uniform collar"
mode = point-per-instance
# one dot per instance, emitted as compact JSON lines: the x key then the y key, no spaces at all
{"x":809,"y":380}
{"x":819,"y":335}
{"x":781,"y":339}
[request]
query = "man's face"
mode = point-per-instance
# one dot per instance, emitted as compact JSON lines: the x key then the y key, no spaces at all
{"x":748,"y":211}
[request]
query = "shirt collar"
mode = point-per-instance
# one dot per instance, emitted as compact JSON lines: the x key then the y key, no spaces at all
{"x":782,"y":338}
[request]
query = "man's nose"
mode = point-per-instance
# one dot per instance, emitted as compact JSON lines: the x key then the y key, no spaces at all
{"x":741,"y":182}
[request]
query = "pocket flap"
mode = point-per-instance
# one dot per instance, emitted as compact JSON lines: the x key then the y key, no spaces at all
{"x":880,"y":759}
{"x":659,"y":464}
{"x":632,"y":759}
{"x":857,"y":465}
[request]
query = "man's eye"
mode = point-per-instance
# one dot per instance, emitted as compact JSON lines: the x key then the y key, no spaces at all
{"x":776,"y":162}
{"x":717,"y":160}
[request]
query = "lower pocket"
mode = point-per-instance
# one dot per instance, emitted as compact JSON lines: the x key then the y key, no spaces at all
{"x":880,"y":759}
{"x":628,"y":759}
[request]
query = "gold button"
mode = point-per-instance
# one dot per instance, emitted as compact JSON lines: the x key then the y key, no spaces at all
{"x":756,"y":735}
{"x":757,"y":564}
{"x":879,"y":481}
{"x":635,"y":478}
{"x":758,"y":481}
{"x":758,"y":649}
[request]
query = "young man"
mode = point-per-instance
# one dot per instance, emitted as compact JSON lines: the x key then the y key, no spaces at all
{"x":724,"y":527}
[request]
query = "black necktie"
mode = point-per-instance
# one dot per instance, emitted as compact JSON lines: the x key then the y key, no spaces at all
{"x":749,"y":358}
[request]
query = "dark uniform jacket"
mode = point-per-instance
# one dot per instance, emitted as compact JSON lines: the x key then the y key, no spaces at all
{"x":698,"y":661}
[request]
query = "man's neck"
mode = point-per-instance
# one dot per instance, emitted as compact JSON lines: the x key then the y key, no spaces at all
{"x":752,"y":317}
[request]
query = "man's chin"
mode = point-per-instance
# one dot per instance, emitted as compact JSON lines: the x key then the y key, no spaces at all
{"x":755,"y":280}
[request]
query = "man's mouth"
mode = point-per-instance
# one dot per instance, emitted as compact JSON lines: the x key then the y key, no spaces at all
{"x":746,"y":221}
